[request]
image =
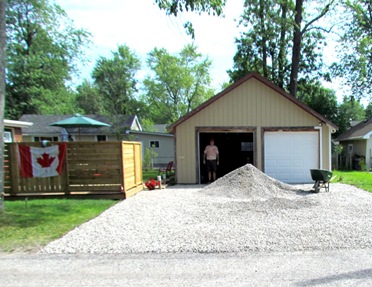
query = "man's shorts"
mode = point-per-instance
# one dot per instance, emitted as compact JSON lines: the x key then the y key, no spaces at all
{"x":212,"y":165}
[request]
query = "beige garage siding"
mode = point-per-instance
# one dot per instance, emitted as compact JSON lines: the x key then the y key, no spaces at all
{"x":251,"y":104}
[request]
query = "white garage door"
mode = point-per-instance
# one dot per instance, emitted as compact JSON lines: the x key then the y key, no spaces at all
{"x":289,"y":156}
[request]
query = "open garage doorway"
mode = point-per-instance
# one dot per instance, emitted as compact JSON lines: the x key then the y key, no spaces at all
{"x":236,"y":149}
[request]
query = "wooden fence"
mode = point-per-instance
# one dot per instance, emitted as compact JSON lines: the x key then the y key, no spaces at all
{"x":91,"y":169}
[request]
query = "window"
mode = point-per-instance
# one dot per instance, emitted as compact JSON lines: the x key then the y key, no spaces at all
{"x":246,"y":146}
{"x":7,"y":137}
{"x":154,"y":144}
{"x":101,"y":138}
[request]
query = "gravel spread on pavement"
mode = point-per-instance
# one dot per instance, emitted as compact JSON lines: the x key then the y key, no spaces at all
{"x":243,"y":211}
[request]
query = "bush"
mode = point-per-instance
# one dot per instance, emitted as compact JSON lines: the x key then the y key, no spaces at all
{"x":150,"y":155}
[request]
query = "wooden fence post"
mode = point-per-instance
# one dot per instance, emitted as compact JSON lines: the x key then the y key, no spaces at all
{"x":65,"y":177}
{"x":13,"y":169}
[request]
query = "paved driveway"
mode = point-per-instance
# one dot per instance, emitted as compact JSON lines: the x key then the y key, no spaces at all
{"x":330,"y":268}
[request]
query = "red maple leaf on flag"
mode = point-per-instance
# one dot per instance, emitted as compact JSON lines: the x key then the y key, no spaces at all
{"x":45,"y":160}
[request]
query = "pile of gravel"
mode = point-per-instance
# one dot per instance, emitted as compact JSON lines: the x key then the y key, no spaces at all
{"x":242,"y":211}
{"x":248,"y":182}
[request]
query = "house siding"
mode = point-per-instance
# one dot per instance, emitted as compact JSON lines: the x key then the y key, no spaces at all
{"x":360,"y":148}
{"x":165,"y":152}
{"x":251,"y":104}
{"x":369,"y":153}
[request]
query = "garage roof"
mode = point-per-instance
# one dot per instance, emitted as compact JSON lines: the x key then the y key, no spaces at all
{"x":257,"y":76}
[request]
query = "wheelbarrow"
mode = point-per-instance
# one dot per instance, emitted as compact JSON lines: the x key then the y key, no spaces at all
{"x":322,"y":178}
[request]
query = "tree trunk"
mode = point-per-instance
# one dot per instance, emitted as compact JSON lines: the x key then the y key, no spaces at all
{"x":2,"y":97}
{"x":282,"y":45}
{"x":296,"y":52}
{"x":264,"y":39}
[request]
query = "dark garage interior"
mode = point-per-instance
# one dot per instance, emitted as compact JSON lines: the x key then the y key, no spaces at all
{"x":236,"y":149}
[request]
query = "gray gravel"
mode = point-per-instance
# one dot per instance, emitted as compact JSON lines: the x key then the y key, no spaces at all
{"x":243,"y":211}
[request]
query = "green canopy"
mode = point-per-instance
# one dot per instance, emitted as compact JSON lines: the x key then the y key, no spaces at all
{"x":78,"y":121}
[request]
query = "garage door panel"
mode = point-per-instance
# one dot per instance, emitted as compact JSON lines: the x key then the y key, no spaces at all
{"x":285,"y":176}
{"x":285,"y":163}
{"x":297,"y":163}
{"x":272,"y":163}
{"x":289,"y":156}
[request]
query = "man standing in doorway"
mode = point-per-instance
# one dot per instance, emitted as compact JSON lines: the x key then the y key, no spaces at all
{"x":211,"y":157}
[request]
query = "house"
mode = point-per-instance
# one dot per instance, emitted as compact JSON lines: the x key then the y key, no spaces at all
{"x":130,"y":128}
{"x":253,"y":121}
{"x":13,"y":130}
{"x":161,"y":143}
{"x":41,"y":129}
{"x":357,"y":143}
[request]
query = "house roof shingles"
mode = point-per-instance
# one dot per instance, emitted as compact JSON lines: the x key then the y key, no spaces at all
{"x":363,"y":130}
{"x":41,"y":124}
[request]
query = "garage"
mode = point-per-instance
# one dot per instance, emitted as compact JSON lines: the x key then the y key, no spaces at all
{"x":289,"y":156}
{"x":253,"y":121}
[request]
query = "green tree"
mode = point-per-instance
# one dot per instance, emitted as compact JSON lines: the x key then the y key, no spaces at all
{"x":178,"y":83}
{"x":42,"y":48}
{"x":148,"y":125}
{"x":56,"y":102}
{"x":303,"y":24}
{"x":270,"y":19}
{"x":320,"y":99}
{"x":115,"y":81}
{"x":173,"y":7}
{"x":368,"y":111}
{"x":350,"y":110}
{"x":355,"y":66}
{"x":89,"y":100}
{"x":264,"y":47}
{"x":148,"y":160}
{"x":267,"y":45}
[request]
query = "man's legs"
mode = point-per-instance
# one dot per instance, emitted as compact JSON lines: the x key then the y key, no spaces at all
{"x":212,"y":167}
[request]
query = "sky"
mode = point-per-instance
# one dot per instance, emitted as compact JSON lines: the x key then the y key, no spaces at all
{"x":142,"y":26}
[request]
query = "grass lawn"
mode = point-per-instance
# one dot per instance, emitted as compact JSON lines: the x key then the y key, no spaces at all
{"x":360,"y":179}
{"x":28,"y":225}
{"x":149,"y":174}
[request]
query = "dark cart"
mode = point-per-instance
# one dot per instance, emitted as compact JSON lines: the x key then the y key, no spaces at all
{"x":322,"y":178}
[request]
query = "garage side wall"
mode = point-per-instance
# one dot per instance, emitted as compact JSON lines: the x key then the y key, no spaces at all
{"x":251,"y":104}
{"x":326,"y":160}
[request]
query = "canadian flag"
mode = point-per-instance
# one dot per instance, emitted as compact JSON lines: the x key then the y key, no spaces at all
{"x":41,"y":162}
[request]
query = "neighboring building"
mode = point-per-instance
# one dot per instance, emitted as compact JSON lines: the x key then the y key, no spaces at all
{"x":254,"y":121}
{"x":130,"y":128}
{"x":357,"y":143}
{"x":161,"y":143}
{"x":41,"y":129}
{"x":13,"y":130}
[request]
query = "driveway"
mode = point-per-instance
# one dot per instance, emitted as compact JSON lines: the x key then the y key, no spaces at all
{"x":107,"y":252}
{"x":315,"y":268}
